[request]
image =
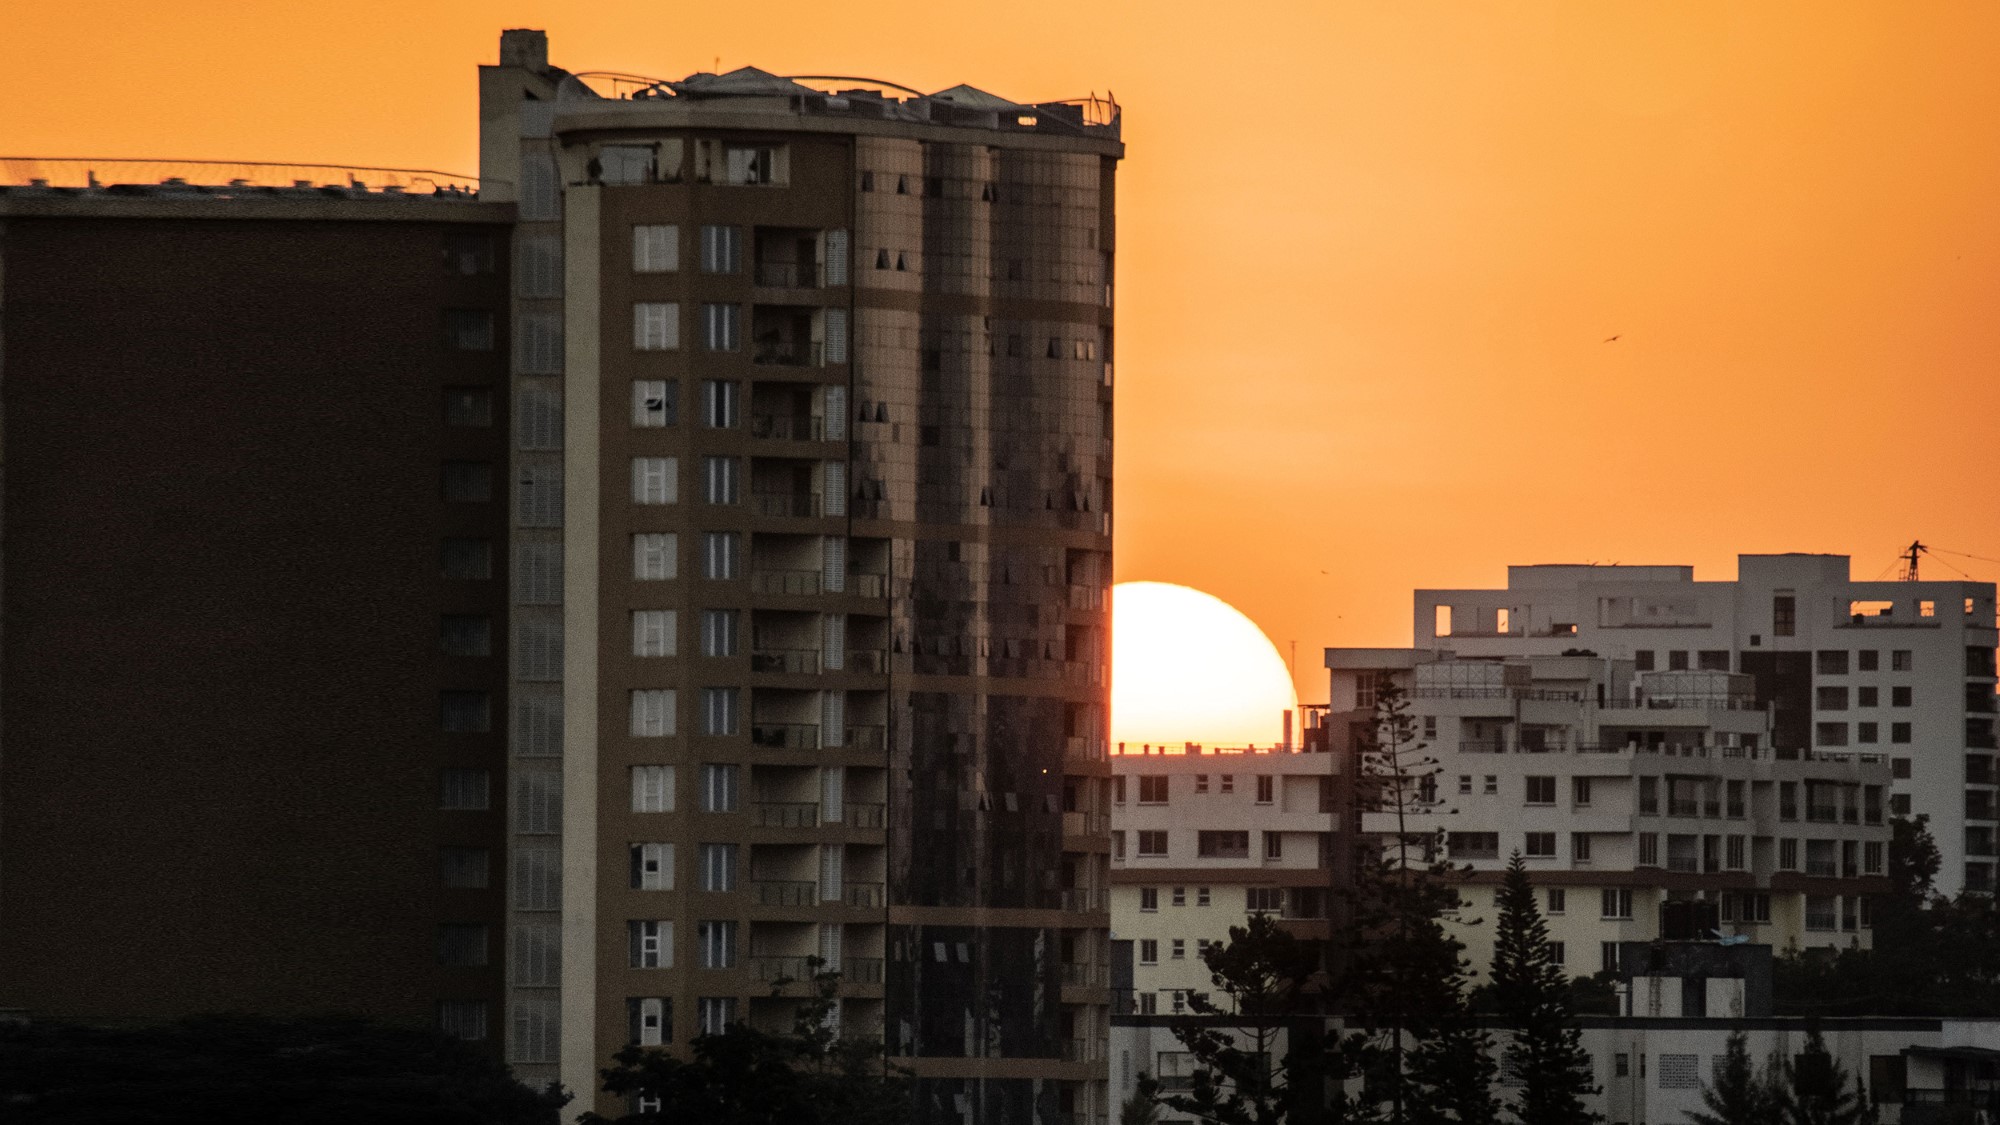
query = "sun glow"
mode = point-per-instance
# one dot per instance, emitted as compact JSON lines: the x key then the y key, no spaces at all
{"x":1187,"y":667}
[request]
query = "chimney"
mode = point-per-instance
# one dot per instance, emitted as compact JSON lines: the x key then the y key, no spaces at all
{"x":525,"y":48}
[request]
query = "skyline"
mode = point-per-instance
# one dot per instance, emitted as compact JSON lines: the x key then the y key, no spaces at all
{"x":1775,"y":212}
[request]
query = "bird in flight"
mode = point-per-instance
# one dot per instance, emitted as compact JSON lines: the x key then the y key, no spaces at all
{"x":1612,"y":339}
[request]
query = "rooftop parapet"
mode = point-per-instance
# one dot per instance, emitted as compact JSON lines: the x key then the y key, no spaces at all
{"x":224,"y":179}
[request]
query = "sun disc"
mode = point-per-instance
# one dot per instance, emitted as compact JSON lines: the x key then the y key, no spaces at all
{"x":1188,"y":667}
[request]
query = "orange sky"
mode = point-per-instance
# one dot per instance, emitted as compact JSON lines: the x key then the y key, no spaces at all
{"x":1368,"y":251}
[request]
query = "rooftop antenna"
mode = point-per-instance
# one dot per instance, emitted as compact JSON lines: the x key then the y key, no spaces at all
{"x":1910,"y":560}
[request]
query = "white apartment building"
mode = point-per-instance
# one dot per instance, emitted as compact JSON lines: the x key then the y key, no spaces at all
{"x":1202,"y":839}
{"x":1903,"y":669}
{"x":1646,"y":804}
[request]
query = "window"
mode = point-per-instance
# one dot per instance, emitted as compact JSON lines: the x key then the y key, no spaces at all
{"x":463,"y":868}
{"x":1215,"y":844}
{"x":752,"y":165}
{"x":719,"y":480}
{"x":650,"y":944}
{"x":1473,"y":845}
{"x":1558,"y":900}
{"x":1867,"y":697}
{"x":652,"y":789}
{"x":1178,"y":950}
{"x":1829,"y":734}
{"x":718,"y":404}
{"x":1465,"y":783}
{"x":1152,"y":790}
{"x":1733,"y":853}
{"x":1831,"y":662}
{"x":1642,"y":660}
{"x":718,"y":944}
{"x":468,"y":407}
{"x":1649,"y":849}
{"x":1180,"y":896}
{"x":721,"y":249}
{"x":467,"y":482}
{"x":463,"y":1019}
{"x":1677,"y":661}
{"x":1579,"y":792}
{"x":465,"y":712}
{"x":653,"y":713}
{"x":1558,"y":952}
{"x":465,"y":634}
{"x":1899,"y":696}
{"x":652,"y":867}
{"x":719,"y":787}
{"x":1871,"y":857}
{"x":1899,"y":804}
{"x":461,"y":945}
{"x":1621,"y":1063}
{"x":1263,"y":900}
{"x":653,"y":632}
{"x":468,"y":330}
{"x":1229,"y":783}
{"x":1617,"y":903}
{"x":718,"y":867}
{"x":1274,"y":845}
{"x":1899,"y":660}
{"x":1153,"y":843}
{"x":1788,"y":855}
{"x":1899,"y":733}
{"x":1649,"y":796}
{"x":654,"y":480}
{"x":655,"y":557}
{"x":1201,"y":896}
{"x":656,"y":248}
{"x":1609,"y":950}
{"x":650,"y":1021}
{"x":718,"y":710}
{"x":1867,"y":660}
{"x":1579,"y":847}
{"x":1784,"y":615}
{"x":468,"y":558}
{"x":719,"y":552}
{"x":656,"y":326}
{"x":1149,"y":899}
{"x":1149,"y":951}
{"x":1712,"y":660}
{"x":1541,"y":790}
{"x":1118,"y":843}
{"x":465,"y":790}
{"x":655,"y":403}
{"x":1867,"y":732}
{"x":716,"y":1013}
{"x":718,"y":632}
{"x":719,"y":328}
{"x":1541,"y":845}
{"x":1832,"y":699}
{"x":1201,"y":783}
{"x":1680,"y":1072}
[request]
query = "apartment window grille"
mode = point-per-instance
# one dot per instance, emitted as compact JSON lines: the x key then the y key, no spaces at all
{"x":718,"y":944}
{"x":719,"y":480}
{"x":1228,"y":783}
{"x":465,"y":790}
{"x":718,"y":632}
{"x":716,"y":1013}
{"x":463,"y":1019}
{"x":537,"y":728}
{"x":719,"y":787}
{"x":1201,"y":896}
{"x":538,"y":644}
{"x":468,"y":330}
{"x":721,"y":249}
{"x":719,"y":552}
{"x":653,"y":632}
{"x":1784,"y":615}
{"x":465,"y":634}
{"x":538,"y":343}
{"x":655,"y":556}
{"x":718,"y":867}
{"x":538,"y":573}
{"x":537,"y":802}
{"x":656,"y":326}
{"x":536,"y":1026}
{"x":466,"y":712}
{"x":464,"y":868}
{"x":1617,"y":904}
{"x":1201,"y":783}
{"x":537,"y":881}
{"x":1733,"y":853}
{"x":656,"y":248}
{"x":468,"y":407}
{"x":719,"y":403}
{"x":720,"y":328}
{"x":655,"y":403}
{"x":537,"y":953}
{"x":718,"y":710}
{"x":653,"y":867}
{"x":650,"y":943}
{"x":653,"y":713}
{"x":1274,"y":845}
{"x":652,"y":789}
{"x":461,"y":945}
{"x":538,"y":419}
{"x":654,"y":480}
{"x":1649,"y":849}
{"x":538,"y":494}
{"x":467,"y":558}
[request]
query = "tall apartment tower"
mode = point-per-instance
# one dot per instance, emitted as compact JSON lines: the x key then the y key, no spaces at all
{"x":1902,"y":669}
{"x":811,"y":542}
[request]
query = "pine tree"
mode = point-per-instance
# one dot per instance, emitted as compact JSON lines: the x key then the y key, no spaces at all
{"x":1239,"y":1077}
{"x":1740,"y":1095}
{"x":1816,"y":1090}
{"x":1403,"y":975}
{"x":1531,"y":993}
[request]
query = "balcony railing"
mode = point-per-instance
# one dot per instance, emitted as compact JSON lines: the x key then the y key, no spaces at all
{"x":785,"y":814}
{"x":865,"y":814}
{"x":770,"y":969}
{"x":786,"y":503}
{"x":863,"y":585}
{"x":787,"y":427}
{"x":1823,"y":868}
{"x":787,"y":353}
{"x":1823,"y":814}
{"x":1679,"y":807}
{"x":1684,"y":863}
{"x":870,"y":661}
{"x":863,"y":894}
{"x":1085,"y":976}
{"x":1079,"y":749}
{"x":1821,"y":920}
{"x":1085,"y":900}
{"x":788,"y":275}
{"x":867,"y":737}
{"x":797,"y":661}
{"x":785,"y":736}
{"x":784,"y":581}
{"x":861,"y":970}
{"x":1083,"y":1050}
{"x":786,"y":892}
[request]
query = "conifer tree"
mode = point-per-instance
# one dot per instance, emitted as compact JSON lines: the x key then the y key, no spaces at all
{"x":1740,"y":1094}
{"x":1531,"y":994}
{"x":1816,"y":1090}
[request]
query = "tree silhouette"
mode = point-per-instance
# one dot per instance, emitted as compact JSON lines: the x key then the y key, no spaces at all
{"x":1531,"y":993}
{"x":1740,"y":1094}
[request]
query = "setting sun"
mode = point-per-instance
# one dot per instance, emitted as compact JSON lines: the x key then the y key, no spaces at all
{"x":1187,"y":667}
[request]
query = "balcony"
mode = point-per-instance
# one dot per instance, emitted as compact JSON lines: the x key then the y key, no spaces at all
{"x":865,"y":815}
{"x":1083,"y":1050}
{"x":1823,"y":868}
{"x":793,"y":661}
{"x":867,"y":737}
{"x":787,"y":427}
{"x":787,"y":582}
{"x":785,"y":892}
{"x":1686,"y":864}
{"x":1679,"y":807}
{"x":768,"y":969}
{"x":863,"y":894}
{"x":861,"y":970}
{"x":785,"y":814}
{"x":785,"y":736}
{"x":1083,"y":900}
{"x":786,"y":504}
{"x":788,"y":275}
{"x":786,"y":353}
{"x":863,"y":585}
{"x":1823,"y":814}
{"x":870,"y":661}
{"x":1821,"y":920}
{"x":1085,"y":976}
